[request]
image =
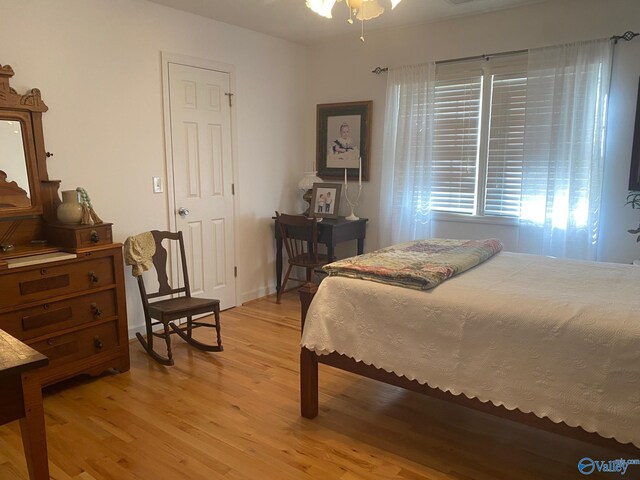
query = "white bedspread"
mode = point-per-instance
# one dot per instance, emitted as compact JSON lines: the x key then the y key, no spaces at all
{"x":558,"y":338}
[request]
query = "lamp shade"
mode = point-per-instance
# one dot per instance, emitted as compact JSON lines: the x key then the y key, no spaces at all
{"x":306,"y":182}
{"x":366,"y":9}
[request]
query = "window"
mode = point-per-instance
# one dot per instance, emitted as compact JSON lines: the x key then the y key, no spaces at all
{"x":479,"y":135}
{"x":519,"y":136}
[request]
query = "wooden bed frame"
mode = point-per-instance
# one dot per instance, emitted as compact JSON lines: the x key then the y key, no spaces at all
{"x":309,"y":390}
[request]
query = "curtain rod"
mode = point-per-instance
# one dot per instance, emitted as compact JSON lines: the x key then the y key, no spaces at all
{"x":379,"y":70}
{"x":627,"y":36}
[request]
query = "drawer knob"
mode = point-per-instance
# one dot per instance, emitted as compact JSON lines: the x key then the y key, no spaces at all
{"x":94,"y":237}
{"x":93,"y":278}
{"x":97,"y":342}
{"x":51,"y":341}
{"x":95,"y":309}
{"x":43,"y":271}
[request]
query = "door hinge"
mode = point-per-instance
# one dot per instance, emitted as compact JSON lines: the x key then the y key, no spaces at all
{"x":229,"y":95}
{"x":233,"y":189}
{"x":235,"y":271}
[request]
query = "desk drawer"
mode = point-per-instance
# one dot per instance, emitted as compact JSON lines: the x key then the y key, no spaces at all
{"x":51,"y":317}
{"x":77,"y":345}
{"x":41,"y":283}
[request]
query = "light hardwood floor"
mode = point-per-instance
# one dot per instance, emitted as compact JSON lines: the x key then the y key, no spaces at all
{"x":235,"y":415}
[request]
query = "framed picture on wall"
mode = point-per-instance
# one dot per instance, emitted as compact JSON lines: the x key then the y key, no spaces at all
{"x":343,"y":140}
{"x":634,"y":175}
{"x":325,"y":200}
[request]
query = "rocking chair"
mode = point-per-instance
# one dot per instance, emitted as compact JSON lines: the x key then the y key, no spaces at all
{"x":166,"y":311}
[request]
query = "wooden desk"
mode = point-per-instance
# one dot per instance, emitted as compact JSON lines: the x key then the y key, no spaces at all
{"x":22,"y":399}
{"x":330,"y":233}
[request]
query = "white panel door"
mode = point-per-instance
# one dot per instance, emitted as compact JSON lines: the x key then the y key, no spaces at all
{"x":202,"y":175}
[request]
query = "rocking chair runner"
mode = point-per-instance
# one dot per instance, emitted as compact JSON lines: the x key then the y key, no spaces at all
{"x":166,"y":311}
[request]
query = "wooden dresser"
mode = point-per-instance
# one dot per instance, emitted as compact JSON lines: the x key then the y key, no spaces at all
{"x":61,"y":286}
{"x":73,"y":311}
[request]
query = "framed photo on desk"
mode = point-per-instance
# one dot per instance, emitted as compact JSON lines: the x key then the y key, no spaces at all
{"x":325,"y":200}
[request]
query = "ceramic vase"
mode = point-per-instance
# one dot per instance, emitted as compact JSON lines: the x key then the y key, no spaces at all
{"x":70,"y":210}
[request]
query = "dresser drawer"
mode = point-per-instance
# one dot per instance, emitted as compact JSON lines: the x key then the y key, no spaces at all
{"x":98,"y":235}
{"x":79,"y":236}
{"x":33,"y":322}
{"x":41,"y":283}
{"x":77,"y":345}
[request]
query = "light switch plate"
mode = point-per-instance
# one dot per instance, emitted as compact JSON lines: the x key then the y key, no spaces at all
{"x":157,"y":185}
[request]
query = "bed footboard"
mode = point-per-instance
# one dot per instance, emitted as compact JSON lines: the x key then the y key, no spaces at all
{"x":308,"y":361}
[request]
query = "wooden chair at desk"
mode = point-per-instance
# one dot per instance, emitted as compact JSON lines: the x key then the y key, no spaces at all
{"x":300,"y":238}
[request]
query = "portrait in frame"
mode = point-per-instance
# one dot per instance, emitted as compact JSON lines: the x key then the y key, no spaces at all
{"x":343,"y":140}
{"x":325,"y":200}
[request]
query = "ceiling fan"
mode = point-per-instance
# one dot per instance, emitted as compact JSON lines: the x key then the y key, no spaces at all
{"x":360,"y":9}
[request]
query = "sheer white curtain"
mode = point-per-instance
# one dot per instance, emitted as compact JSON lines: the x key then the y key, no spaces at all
{"x":567,"y":90}
{"x":406,"y":155}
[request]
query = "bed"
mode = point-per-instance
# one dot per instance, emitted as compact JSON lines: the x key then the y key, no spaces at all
{"x":549,"y":342}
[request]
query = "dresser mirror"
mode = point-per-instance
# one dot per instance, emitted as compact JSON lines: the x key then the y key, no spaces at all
{"x":61,"y":284}
{"x":22,"y":153}
{"x":14,"y":178}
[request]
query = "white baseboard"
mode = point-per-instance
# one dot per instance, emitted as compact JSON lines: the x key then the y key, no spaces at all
{"x":257,"y":293}
{"x":137,"y":329}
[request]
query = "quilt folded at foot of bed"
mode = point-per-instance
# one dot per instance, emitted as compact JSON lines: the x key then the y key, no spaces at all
{"x":420,"y":264}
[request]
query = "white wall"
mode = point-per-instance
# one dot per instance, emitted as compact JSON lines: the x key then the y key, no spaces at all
{"x":97,"y":63}
{"x":547,"y":23}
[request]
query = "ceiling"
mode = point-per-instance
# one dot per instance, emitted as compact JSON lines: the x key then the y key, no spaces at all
{"x":292,"y":20}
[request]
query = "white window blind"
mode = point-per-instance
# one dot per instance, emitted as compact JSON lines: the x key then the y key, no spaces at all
{"x":506,"y":144}
{"x":479,"y":136}
{"x":455,"y":138}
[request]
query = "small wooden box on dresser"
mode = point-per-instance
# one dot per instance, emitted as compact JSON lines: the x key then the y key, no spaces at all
{"x":61,"y":286}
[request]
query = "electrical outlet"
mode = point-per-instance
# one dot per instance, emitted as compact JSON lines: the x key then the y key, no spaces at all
{"x":157,"y":185}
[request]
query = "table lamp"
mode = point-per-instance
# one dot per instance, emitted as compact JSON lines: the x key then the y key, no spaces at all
{"x":306,"y":185}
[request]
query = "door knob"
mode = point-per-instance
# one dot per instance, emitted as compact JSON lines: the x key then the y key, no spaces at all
{"x":183,"y":212}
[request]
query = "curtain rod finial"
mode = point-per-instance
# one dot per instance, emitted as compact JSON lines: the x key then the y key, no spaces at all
{"x":628,"y":36}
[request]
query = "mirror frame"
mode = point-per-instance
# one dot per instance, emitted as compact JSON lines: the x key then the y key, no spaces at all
{"x":27,"y":109}
{"x":30,"y":164}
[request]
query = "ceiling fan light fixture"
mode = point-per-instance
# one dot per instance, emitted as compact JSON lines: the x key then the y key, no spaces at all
{"x":361,"y":9}
{"x":321,"y":7}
